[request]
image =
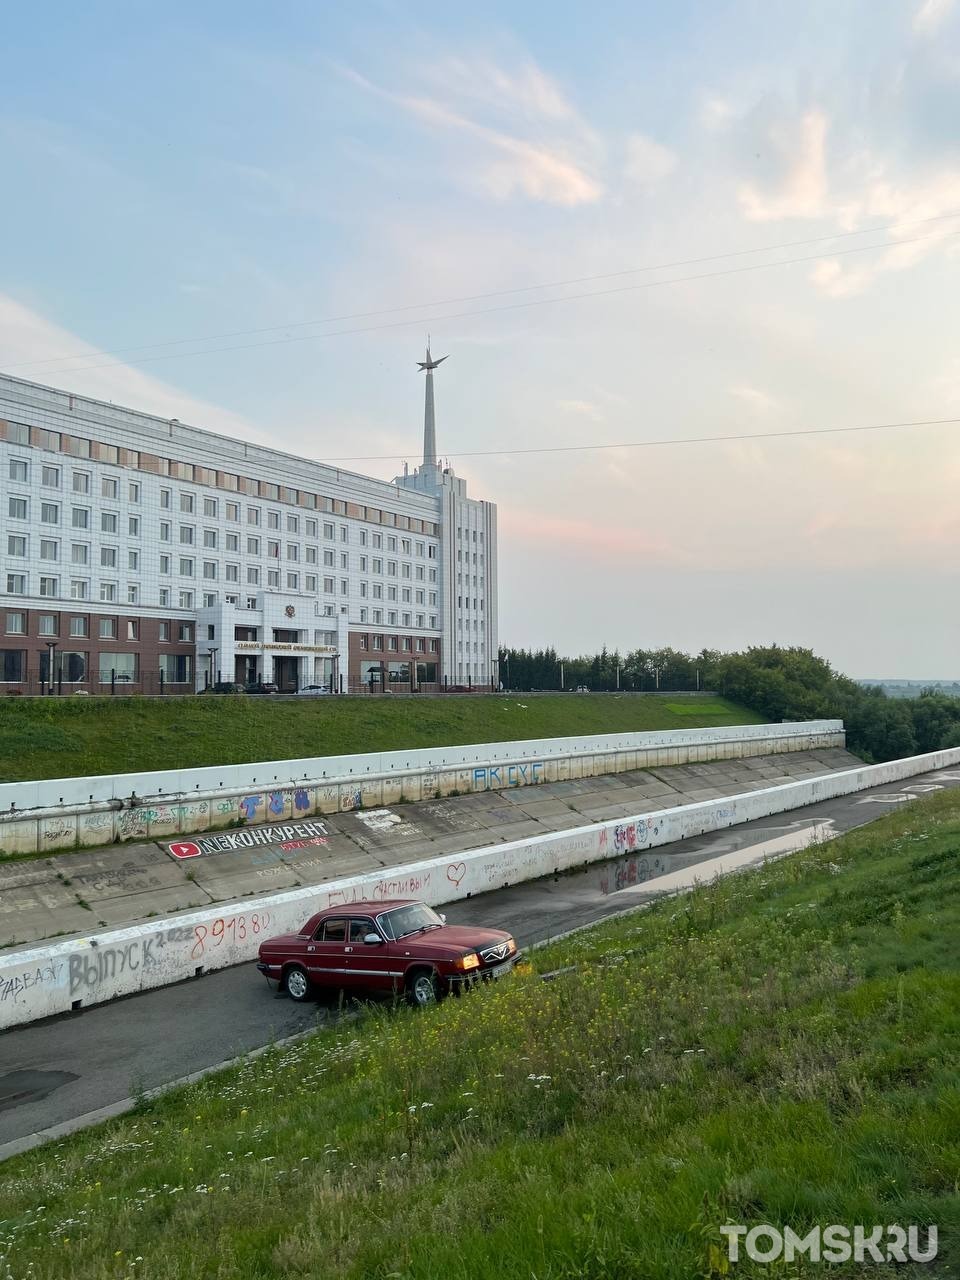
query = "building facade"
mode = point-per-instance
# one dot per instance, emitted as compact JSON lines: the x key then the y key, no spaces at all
{"x":141,"y":555}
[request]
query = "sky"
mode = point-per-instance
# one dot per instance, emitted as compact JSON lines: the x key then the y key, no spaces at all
{"x":249,"y":217}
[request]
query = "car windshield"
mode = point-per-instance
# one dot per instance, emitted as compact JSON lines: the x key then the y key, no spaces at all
{"x":406,"y":920}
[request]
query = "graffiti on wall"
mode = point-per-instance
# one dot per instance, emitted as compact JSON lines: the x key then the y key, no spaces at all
{"x":490,"y":777}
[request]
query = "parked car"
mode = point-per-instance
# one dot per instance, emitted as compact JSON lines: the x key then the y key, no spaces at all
{"x":398,"y":945}
{"x":260,"y":686}
{"x":313,"y":690}
{"x":223,"y":686}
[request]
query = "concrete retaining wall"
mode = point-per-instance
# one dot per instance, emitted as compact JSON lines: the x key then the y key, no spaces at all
{"x":65,"y":813}
{"x":56,"y":977}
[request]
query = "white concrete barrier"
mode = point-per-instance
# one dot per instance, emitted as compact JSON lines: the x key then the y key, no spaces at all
{"x":67,"y":813}
{"x":57,"y":977}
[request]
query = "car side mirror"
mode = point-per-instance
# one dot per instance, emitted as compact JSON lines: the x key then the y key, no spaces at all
{"x":372,"y":939}
{"x":443,"y":917}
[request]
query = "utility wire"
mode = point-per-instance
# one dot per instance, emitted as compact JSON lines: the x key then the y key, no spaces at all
{"x":517,"y":306}
{"x":499,"y":293}
{"x":656,"y":444}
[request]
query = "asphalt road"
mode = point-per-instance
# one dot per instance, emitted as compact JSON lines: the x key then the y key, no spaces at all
{"x":69,"y":1071}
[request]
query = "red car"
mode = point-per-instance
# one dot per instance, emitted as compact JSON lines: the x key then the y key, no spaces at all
{"x":397,"y":945}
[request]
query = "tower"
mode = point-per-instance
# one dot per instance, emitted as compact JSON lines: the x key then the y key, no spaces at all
{"x":429,"y":414}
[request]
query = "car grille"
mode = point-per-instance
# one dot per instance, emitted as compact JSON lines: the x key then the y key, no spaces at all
{"x":498,"y":952}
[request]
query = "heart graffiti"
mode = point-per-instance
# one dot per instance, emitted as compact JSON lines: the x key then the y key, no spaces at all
{"x":456,"y":871}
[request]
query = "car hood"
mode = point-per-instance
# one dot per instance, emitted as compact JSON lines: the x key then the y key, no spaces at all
{"x":453,"y":938}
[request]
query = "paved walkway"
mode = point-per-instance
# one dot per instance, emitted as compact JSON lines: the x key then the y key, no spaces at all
{"x":75,"y":893}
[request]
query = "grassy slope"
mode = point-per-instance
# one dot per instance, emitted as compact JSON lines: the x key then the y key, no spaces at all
{"x":68,"y":738}
{"x":780,"y":1047}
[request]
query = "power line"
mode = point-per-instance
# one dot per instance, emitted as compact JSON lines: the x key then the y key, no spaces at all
{"x":652,"y":444}
{"x":499,"y":293}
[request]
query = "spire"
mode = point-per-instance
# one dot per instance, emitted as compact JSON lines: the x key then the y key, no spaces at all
{"x":429,"y":416}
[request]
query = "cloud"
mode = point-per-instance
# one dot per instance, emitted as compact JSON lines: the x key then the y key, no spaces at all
{"x":930,"y":16}
{"x":802,"y":191}
{"x":758,"y":400}
{"x":39,"y":351}
{"x":508,"y":164}
{"x":647,"y":161}
{"x":583,"y":408}
{"x":716,"y":113}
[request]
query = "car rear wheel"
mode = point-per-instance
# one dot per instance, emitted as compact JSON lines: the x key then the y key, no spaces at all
{"x":297,"y":983}
{"x":423,"y":988}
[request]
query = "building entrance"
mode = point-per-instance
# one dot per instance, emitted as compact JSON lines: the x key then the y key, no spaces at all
{"x":286,"y":675}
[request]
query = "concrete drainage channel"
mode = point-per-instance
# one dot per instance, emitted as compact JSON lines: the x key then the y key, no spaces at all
{"x":689,"y":879}
{"x":54,"y":978}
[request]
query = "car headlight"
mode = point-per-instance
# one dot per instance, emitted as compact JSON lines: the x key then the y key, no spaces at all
{"x":470,"y":961}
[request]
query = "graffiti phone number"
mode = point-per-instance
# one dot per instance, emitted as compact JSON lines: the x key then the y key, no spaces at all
{"x":232,"y":929}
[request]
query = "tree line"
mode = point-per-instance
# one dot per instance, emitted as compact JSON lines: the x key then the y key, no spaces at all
{"x":777,"y":683}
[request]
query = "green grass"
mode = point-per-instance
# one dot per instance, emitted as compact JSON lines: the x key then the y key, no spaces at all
{"x":779,"y":1047}
{"x":56,"y":738}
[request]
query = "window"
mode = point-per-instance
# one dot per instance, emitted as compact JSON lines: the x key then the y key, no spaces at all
{"x":16,"y":624}
{"x":209,"y":600}
{"x":407,"y":644}
{"x":186,"y":599}
{"x":311,"y":556}
{"x":310,"y":528}
{"x":108,"y":487}
{"x":210,"y":538}
{"x":79,"y":626}
{"x":210,"y":569}
{"x":293,"y":551}
{"x":133,"y":526}
{"x":81,"y":518}
{"x":233,"y":511}
{"x":164,"y":530}
{"x":108,"y":628}
{"x":72,"y":666}
{"x":79,"y":589}
{"x":253,"y":576}
{"x":293,"y":524}
{"x":392,"y":644}
{"x":164,"y":564}
{"x":185,"y":632}
{"x":17,"y":508}
{"x":108,"y":592}
{"x":210,"y":507}
{"x":328,"y":530}
{"x":18,"y":469}
{"x":310,"y":582}
{"x":133,"y":490}
{"x":273,"y":550}
{"x":293,"y":582}
{"x":253,"y":546}
{"x":232,"y":542}
{"x":16,"y":545}
{"x":165,"y":597}
{"x":231,"y":572}
{"x":166,"y":498}
{"x":108,"y":522}
{"x":186,"y":535}
{"x":344,"y":533}
{"x":186,"y":503}
{"x":119,"y":667}
{"x":133,"y":560}
{"x":186,"y":567}
{"x":12,"y":665}
{"x":47,"y":624}
{"x":133,"y":628}
{"x":50,"y":477}
{"x":273,"y":577}
{"x":49,"y":586}
{"x":273,"y":519}
{"x":177,"y":668}
{"x":253,"y":515}
{"x":163,"y":632}
{"x":108,"y":557}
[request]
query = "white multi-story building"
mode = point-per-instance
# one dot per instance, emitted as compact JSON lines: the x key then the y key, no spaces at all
{"x":143,"y":555}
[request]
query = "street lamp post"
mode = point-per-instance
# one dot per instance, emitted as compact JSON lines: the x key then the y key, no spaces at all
{"x":212,"y":674}
{"x":51,"y":659}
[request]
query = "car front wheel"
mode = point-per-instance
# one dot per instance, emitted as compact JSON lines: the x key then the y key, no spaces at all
{"x":297,"y":983}
{"x":423,"y":988}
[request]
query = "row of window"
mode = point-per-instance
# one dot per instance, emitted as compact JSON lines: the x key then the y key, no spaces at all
{"x":18,"y":433}
{"x":78,"y":625}
{"x":73,"y":667}
{"x":394,"y":643}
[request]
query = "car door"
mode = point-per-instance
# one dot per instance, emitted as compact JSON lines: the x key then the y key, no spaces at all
{"x":327,"y":953}
{"x":372,"y":967}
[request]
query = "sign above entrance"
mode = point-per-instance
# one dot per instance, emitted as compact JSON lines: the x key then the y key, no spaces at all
{"x":260,"y":646}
